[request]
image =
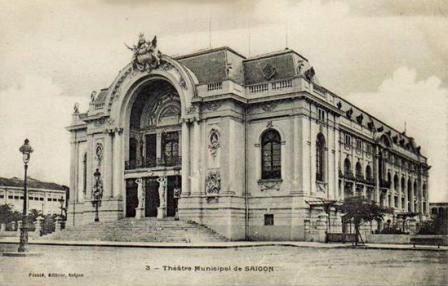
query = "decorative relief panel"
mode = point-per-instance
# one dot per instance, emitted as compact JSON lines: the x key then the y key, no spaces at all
{"x":269,"y":106}
{"x":212,"y":106}
{"x":214,"y":141}
{"x":99,"y":152}
{"x":213,"y":183}
{"x":267,"y":185}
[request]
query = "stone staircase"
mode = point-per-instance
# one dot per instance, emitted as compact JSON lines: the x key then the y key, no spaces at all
{"x":139,"y":230}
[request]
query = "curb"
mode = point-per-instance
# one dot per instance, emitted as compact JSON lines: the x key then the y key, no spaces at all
{"x":217,"y":246}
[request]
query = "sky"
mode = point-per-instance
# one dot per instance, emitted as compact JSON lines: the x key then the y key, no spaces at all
{"x":387,"y":57}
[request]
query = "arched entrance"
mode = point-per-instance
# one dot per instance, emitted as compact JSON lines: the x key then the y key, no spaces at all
{"x":153,"y":151}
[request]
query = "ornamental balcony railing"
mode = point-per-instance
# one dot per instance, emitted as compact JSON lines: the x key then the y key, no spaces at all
{"x":348,"y":175}
{"x":370,"y":181}
{"x":171,"y":161}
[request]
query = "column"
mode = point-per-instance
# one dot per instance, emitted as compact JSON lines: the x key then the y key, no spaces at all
{"x":185,"y":159}
{"x":406,"y":198}
{"x":117,"y":163}
{"x":422,"y":199}
{"x":74,"y":158}
{"x":400,"y":207}
{"x":107,"y":176}
{"x":377,"y":176}
{"x":296,"y":158}
{"x":196,"y":174}
{"x":90,"y":169}
{"x":44,"y":208}
{"x":158,"y":146}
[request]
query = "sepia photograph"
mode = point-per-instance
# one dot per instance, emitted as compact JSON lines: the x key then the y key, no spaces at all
{"x":224,"y":143}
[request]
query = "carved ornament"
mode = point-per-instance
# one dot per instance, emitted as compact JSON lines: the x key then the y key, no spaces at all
{"x":214,"y":143}
{"x":213,"y":183}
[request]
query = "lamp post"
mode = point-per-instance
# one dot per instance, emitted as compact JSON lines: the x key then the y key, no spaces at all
{"x":26,"y":150}
{"x":97,"y":193}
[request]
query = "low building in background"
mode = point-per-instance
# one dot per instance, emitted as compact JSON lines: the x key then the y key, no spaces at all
{"x":439,"y":215}
{"x":47,"y":198}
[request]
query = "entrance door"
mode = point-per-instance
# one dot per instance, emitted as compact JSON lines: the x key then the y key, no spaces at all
{"x":151,"y":197}
{"x":131,"y":197}
{"x":171,"y":200}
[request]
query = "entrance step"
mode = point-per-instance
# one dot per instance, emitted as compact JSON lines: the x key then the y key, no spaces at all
{"x":140,"y":230}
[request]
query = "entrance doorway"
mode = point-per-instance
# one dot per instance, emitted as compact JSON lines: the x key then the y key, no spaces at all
{"x":131,"y":197}
{"x":173,"y":187}
{"x":152,"y":200}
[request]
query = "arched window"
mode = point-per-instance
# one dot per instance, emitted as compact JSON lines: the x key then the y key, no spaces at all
{"x":347,"y":167}
{"x":403,"y":185}
{"x":369,"y":173}
{"x":415,"y":189}
{"x":271,"y":155}
{"x":396,"y":183}
{"x":132,"y":149}
{"x":320,"y":158}
{"x":358,"y":170}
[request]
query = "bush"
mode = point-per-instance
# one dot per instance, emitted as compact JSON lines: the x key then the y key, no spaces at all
{"x":428,"y":227}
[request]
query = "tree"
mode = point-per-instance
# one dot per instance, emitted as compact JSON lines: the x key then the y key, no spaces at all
{"x":6,"y":213}
{"x":360,"y":210}
{"x":33,"y":214}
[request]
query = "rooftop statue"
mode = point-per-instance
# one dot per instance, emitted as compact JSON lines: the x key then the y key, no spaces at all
{"x":146,"y":54}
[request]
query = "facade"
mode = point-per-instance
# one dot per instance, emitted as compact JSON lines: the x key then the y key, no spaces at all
{"x":246,"y":146}
{"x":48,"y":198}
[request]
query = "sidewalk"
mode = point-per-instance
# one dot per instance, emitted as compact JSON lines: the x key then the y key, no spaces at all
{"x":230,"y":244}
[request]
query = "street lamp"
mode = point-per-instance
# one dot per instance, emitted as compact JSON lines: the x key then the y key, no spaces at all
{"x":97,"y":193}
{"x":26,"y":150}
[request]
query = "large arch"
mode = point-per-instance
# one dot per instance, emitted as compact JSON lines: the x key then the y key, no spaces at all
{"x":118,"y":107}
{"x":122,"y":93}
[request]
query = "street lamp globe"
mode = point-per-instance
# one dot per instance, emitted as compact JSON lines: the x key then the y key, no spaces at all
{"x":26,"y":150}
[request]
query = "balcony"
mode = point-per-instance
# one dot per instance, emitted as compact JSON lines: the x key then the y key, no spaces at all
{"x":173,"y":161}
{"x":348,"y":175}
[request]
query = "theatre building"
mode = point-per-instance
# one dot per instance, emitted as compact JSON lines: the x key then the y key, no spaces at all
{"x":247,"y":146}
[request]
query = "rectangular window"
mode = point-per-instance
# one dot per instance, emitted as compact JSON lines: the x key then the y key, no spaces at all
{"x":2,"y":196}
{"x":10,"y":197}
{"x":151,"y":145}
{"x":170,"y":148}
{"x":322,"y":115}
{"x":368,"y":148}
{"x":268,"y":219}
{"x":358,"y":144}
{"x":347,"y":140}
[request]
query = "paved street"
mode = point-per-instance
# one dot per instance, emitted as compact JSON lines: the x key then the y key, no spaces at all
{"x":275,"y":265}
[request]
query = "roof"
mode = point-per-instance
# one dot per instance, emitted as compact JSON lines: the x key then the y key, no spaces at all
{"x":32,"y":183}
{"x":207,"y":51}
{"x":273,"y":54}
